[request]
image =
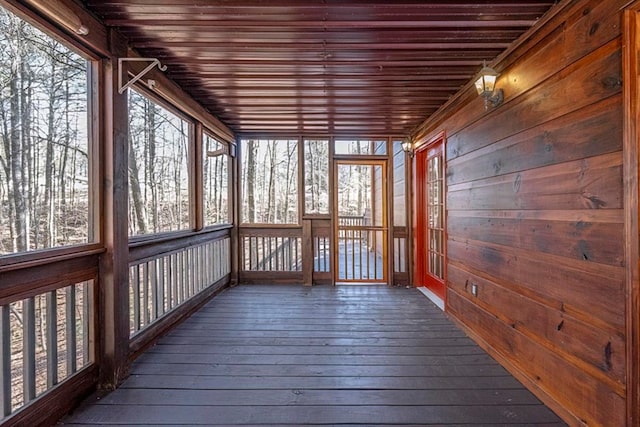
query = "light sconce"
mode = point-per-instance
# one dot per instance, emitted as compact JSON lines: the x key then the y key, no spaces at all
{"x":486,"y":87}
{"x":407,"y":147}
{"x":62,"y":14}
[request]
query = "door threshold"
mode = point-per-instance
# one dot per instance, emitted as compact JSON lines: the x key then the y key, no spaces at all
{"x":439,"y":302}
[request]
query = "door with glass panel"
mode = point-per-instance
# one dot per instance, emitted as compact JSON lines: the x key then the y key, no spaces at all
{"x":430,"y":220}
{"x":361,"y":221}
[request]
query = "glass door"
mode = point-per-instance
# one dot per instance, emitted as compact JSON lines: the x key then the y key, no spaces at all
{"x":430,"y":221}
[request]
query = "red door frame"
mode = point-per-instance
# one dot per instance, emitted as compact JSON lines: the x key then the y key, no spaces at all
{"x":421,"y":275}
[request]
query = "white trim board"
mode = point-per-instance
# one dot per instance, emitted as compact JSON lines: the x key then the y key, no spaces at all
{"x":433,"y":297}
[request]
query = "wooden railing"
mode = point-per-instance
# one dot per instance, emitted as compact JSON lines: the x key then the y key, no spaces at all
{"x":352,"y":220}
{"x":401,"y":244}
{"x":274,"y":254}
{"x":287,"y":253}
{"x":270,"y":253}
{"x":166,"y":275}
{"x":399,"y":254}
{"x":47,"y":330}
{"x":320,"y":231}
{"x":45,"y":339}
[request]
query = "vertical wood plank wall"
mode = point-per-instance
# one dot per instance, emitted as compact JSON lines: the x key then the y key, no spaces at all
{"x":535,"y":213}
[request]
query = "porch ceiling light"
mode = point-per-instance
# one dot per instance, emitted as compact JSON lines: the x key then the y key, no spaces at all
{"x":407,"y":147}
{"x":486,"y":87}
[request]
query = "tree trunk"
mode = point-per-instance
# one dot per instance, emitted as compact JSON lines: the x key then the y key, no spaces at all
{"x":48,"y":168}
{"x":136,"y":193}
{"x":251,"y":181}
{"x":151,"y":160}
{"x":271,"y":202}
{"x":16,"y":156}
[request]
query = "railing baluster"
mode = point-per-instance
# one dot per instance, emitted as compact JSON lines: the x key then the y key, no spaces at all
{"x":175,"y":291}
{"x":352,"y":235}
{"x":273,"y":251}
{"x":86,"y":291}
{"x":170,"y":282}
{"x":145,"y":299}
{"x":363,"y":252}
{"x":180,"y":277}
{"x":196,"y":262}
{"x":200,"y":279}
{"x":160,"y":266}
{"x":375,"y":255}
{"x":136,"y":298}
{"x":192,"y":272}
{"x":153,"y":286}
{"x":187,"y":274}
{"x":52,"y":339}
{"x":5,"y":360}
{"x":29,"y":349}
{"x":210,"y":271}
{"x":248,"y":253}
{"x":70,"y":324}
{"x":327,"y":252}
{"x":395,"y":255}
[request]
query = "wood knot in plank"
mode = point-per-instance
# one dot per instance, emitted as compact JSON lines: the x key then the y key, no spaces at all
{"x":516,"y":183}
{"x":593,"y":202}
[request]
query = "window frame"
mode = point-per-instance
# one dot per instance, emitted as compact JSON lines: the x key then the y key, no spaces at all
{"x":227,"y":153}
{"x":303,"y":173}
{"x":95,"y":171}
{"x":241,"y":184}
{"x":191,"y":166}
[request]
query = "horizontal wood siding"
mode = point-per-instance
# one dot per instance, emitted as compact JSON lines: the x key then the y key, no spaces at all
{"x":535,"y":213}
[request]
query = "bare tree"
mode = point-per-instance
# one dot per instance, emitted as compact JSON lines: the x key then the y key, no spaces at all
{"x":250,"y":171}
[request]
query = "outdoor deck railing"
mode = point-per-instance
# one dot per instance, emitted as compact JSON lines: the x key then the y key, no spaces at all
{"x":163,"y":276}
{"x":47,"y":327}
{"x":45,"y":339}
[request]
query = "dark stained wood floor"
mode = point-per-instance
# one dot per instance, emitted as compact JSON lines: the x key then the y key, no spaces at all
{"x":292,"y":355}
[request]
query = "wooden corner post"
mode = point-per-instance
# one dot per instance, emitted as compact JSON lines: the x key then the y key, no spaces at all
{"x":631,"y":152}
{"x":114,"y":268}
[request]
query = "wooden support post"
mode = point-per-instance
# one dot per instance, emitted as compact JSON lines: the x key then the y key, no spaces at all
{"x":307,"y":253}
{"x":631,"y":153}
{"x":5,"y":360}
{"x":234,"y":183}
{"x":52,"y":339}
{"x":390,"y":220}
{"x":196,"y":184}
{"x":114,"y":267}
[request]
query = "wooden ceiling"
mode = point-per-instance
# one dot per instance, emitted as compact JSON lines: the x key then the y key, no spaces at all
{"x":316,"y":67}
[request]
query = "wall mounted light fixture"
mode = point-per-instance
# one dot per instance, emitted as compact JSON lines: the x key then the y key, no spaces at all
{"x":486,"y":87}
{"x":407,"y":147}
{"x":60,"y":13}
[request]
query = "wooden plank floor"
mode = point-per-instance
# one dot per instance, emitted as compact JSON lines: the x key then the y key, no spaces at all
{"x":292,"y":355}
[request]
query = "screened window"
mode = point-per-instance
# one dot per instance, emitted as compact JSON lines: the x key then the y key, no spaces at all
{"x":269,"y":181}
{"x":45,"y":184}
{"x":158,"y":168}
{"x":316,"y":176}
{"x":216,"y":181}
{"x":361,"y":146}
{"x":399,"y":185}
